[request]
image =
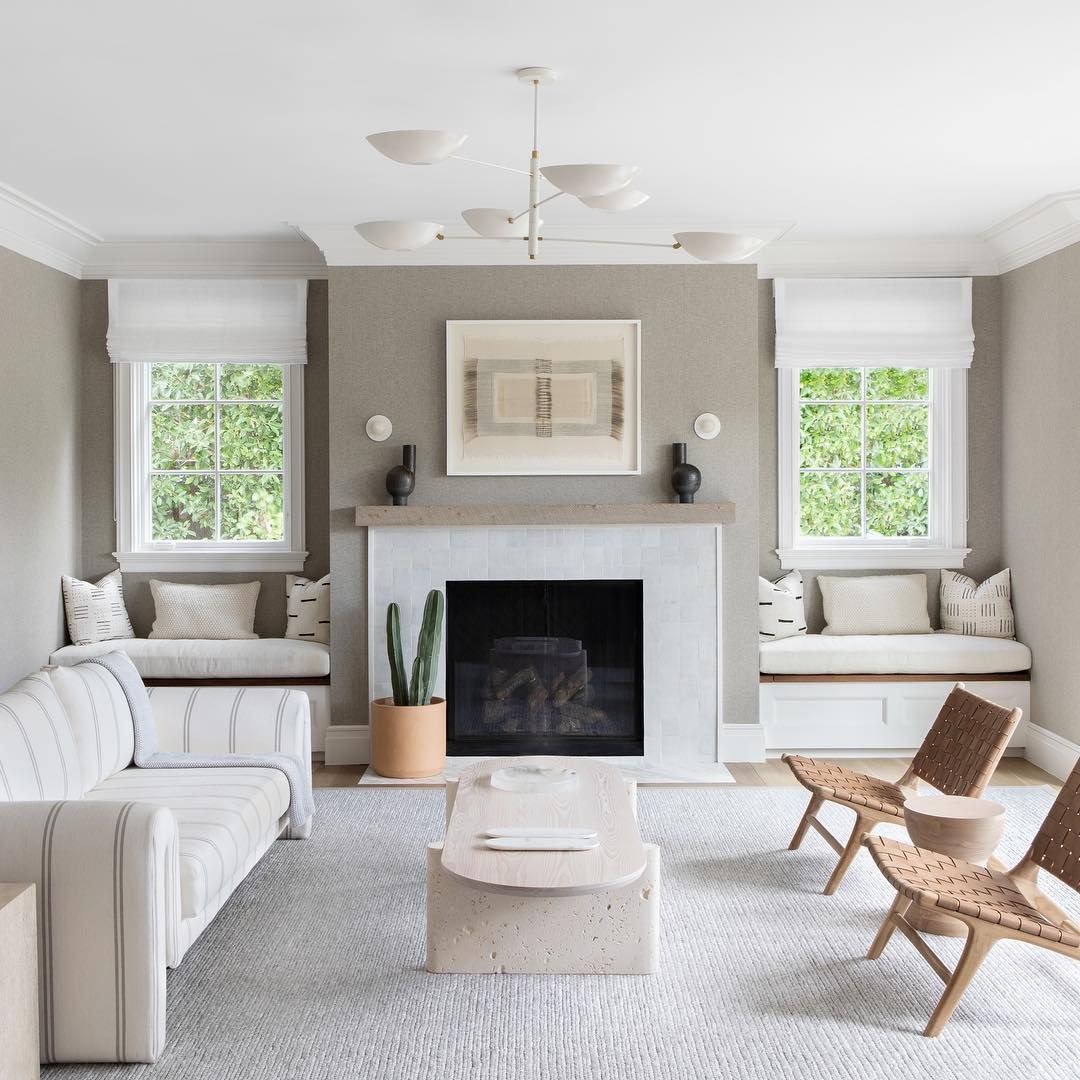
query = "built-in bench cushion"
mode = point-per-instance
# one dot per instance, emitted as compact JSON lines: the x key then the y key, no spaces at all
{"x":164,"y":658}
{"x":893,"y":654}
{"x":225,"y":817}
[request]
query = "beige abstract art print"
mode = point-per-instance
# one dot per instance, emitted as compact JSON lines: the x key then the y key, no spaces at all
{"x":545,"y":398}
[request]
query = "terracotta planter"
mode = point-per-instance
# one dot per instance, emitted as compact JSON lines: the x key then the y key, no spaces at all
{"x":408,"y":741}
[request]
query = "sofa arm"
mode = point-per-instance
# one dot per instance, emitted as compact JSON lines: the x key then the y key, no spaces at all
{"x":108,"y":906}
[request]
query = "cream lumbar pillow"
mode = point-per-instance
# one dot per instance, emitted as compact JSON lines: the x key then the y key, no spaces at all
{"x":217,"y":612}
{"x":95,"y":610}
{"x":981,"y":610}
{"x":308,"y":608}
{"x":889,"y":604}
{"x":780,"y":607}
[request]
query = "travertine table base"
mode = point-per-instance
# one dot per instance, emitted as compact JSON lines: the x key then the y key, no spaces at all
{"x":19,"y":1051}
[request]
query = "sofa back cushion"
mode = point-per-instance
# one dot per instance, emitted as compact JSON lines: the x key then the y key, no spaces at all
{"x":38,"y":759}
{"x":100,"y":720}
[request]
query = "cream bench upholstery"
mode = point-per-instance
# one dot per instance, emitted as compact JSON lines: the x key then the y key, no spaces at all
{"x":835,"y":694}
{"x":273,"y":663}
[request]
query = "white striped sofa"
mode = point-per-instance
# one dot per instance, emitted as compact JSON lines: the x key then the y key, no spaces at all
{"x":131,"y":864}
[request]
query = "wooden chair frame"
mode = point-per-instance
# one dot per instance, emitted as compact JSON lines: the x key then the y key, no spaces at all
{"x":951,"y":765}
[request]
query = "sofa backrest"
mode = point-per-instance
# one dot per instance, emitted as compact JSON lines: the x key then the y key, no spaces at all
{"x":38,"y":758}
{"x":100,"y":720}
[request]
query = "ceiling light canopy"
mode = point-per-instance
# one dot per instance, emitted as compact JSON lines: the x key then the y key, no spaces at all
{"x":718,"y":247}
{"x":399,"y":235}
{"x":589,"y":181}
{"x":416,"y":147}
{"x":626,"y":198}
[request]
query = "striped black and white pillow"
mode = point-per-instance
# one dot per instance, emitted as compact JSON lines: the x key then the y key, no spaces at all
{"x":980,"y":610}
{"x":780,"y":607}
{"x":96,"y":611}
{"x":308,"y":607}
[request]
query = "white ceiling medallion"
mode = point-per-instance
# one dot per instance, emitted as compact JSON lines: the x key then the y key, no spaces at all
{"x":603,"y":186}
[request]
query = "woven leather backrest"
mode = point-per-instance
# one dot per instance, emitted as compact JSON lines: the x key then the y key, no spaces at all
{"x":964,"y":746}
{"x":1057,"y":843}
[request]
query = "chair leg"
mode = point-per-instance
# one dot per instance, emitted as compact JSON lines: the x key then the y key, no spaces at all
{"x":804,"y":824}
{"x":888,"y":925}
{"x":975,"y":950}
{"x":863,"y":828}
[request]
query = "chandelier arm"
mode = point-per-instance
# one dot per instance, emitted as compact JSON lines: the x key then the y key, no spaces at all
{"x":539,"y":202}
{"x":615,"y":243}
{"x":489,"y":164}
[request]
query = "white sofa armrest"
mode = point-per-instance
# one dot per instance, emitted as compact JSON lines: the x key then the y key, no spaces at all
{"x":108,"y":891}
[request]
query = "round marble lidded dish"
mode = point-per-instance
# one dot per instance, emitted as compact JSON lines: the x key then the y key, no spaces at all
{"x":534,"y":778}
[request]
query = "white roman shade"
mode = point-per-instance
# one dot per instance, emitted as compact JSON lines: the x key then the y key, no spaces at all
{"x":873,"y":322}
{"x":207,"y":320}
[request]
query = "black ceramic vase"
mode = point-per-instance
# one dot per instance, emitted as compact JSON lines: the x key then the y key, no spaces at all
{"x":401,"y":479}
{"x":685,"y":479}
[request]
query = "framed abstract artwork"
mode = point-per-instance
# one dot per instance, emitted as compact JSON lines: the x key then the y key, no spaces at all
{"x":548,"y":398}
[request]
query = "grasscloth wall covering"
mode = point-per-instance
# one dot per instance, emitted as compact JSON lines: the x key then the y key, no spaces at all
{"x":1041,"y":458}
{"x":984,"y":449}
{"x":99,"y":529}
{"x":39,"y":443}
{"x":387,"y":355}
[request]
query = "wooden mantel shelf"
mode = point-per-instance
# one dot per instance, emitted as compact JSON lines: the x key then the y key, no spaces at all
{"x":471,"y":515}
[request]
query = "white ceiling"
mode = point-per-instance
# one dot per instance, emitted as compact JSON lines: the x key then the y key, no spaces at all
{"x":229,"y":119}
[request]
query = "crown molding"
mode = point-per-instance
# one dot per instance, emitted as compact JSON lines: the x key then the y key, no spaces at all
{"x":1038,"y":230}
{"x":204,"y":258}
{"x":30,"y":228}
{"x":928,"y":256}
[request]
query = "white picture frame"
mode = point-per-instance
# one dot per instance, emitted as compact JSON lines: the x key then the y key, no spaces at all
{"x":519,"y":391}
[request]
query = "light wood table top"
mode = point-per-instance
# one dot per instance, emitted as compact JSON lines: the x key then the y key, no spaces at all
{"x":600,"y":801}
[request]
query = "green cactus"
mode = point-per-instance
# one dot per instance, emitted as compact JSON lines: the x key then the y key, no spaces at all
{"x":418,"y":689}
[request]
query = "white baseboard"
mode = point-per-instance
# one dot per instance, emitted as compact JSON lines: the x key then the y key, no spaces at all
{"x":348,"y":744}
{"x":1051,"y":752}
{"x":741,"y":742}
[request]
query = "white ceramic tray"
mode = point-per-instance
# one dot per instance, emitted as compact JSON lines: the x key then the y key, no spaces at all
{"x":530,"y":779}
{"x":540,"y":843}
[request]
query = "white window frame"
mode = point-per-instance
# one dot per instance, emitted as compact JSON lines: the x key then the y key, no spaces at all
{"x":137,"y":551}
{"x":946,"y":542}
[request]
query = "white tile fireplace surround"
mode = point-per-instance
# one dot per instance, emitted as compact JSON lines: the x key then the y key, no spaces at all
{"x":679,"y":566}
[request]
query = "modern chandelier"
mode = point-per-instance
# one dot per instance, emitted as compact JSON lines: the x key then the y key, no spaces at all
{"x":598,"y":186}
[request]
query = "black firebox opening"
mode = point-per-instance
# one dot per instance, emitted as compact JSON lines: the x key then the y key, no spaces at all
{"x":544,"y":667}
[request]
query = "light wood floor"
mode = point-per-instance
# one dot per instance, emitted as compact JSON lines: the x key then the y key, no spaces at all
{"x":1012,"y":772}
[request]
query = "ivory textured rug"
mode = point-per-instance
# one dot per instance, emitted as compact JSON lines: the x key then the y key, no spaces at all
{"x":313,"y":971}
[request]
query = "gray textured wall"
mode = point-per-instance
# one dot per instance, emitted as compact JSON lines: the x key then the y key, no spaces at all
{"x":39,"y":437}
{"x":1041,"y":489}
{"x":984,"y":449}
{"x":387,"y":355}
{"x":99,"y":529}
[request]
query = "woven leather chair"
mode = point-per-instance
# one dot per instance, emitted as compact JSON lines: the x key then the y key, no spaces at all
{"x":994,"y":906}
{"x":957,"y":757}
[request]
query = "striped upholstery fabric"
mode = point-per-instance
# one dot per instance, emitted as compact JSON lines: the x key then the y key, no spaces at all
{"x":226,"y":818}
{"x":106,"y":885}
{"x":100,"y":720}
{"x":38,"y":759}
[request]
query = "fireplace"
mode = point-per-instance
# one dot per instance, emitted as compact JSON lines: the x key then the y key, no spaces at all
{"x":544,"y":667}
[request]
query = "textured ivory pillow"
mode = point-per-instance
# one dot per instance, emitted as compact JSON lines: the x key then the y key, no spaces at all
{"x":217,"y":612}
{"x":982,"y":610}
{"x":780,"y":607}
{"x":308,"y":606}
{"x":890,"y":604}
{"x":96,"y":612}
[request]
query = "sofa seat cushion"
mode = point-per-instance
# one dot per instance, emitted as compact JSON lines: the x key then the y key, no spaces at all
{"x":170,"y":658}
{"x":226,"y":818}
{"x":892,"y":654}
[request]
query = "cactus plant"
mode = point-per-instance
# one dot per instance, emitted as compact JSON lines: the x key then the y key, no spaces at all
{"x":418,"y":689}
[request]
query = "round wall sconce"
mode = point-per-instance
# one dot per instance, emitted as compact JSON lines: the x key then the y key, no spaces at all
{"x":379,"y":428}
{"x":707,"y":426}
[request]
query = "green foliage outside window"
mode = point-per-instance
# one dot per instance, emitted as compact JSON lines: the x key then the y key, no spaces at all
{"x":217,"y":452}
{"x":870,"y":423}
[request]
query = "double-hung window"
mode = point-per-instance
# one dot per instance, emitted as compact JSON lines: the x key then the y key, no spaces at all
{"x":872,"y":422}
{"x":209,"y":424}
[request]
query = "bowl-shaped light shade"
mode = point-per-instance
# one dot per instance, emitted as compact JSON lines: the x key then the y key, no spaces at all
{"x":624,"y":199}
{"x":399,"y":235}
{"x":416,"y":147}
{"x":494,"y":223}
{"x":589,"y":181}
{"x":718,"y":247}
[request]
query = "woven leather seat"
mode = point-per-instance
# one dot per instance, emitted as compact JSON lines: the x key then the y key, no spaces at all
{"x":953,"y":885}
{"x":837,"y":784}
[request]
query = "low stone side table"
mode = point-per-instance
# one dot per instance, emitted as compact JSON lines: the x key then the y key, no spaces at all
{"x":19,"y":1052}
{"x":957,"y":826}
